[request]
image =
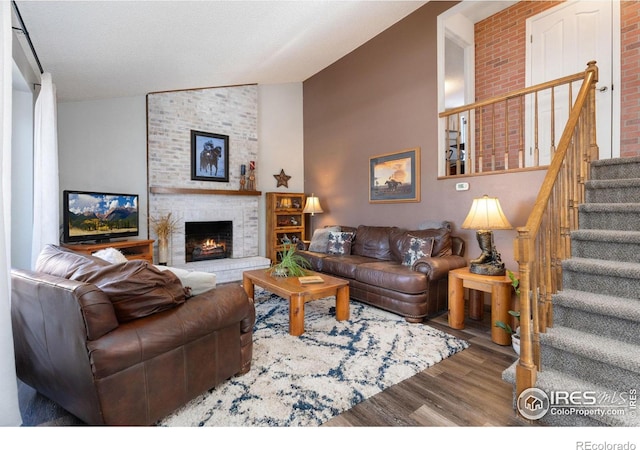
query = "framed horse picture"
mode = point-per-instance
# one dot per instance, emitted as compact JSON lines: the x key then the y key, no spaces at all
{"x":395,"y":177}
{"x":209,"y":156}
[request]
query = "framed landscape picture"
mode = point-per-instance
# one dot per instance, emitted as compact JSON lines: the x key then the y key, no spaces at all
{"x":395,"y":177}
{"x":209,"y":156}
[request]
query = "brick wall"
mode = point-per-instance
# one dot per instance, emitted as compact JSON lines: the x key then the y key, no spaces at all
{"x":171,"y":116}
{"x":630,"y":78}
{"x":501,"y":48}
{"x":501,"y":51}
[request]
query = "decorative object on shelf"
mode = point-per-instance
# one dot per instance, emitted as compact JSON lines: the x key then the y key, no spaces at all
{"x":312,"y":207}
{"x":395,"y":177}
{"x":283,"y":179}
{"x":243,"y":177}
{"x":209,"y":156}
{"x":285,"y":203}
{"x":251,"y":184}
{"x":291,"y":264}
{"x":164,"y":227}
{"x":484,"y":216}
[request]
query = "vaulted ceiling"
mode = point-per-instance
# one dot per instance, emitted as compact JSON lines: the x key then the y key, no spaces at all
{"x":103,"y":49}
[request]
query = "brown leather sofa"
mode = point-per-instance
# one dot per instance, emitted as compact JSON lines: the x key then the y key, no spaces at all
{"x":122,"y":344}
{"x":376,"y":273}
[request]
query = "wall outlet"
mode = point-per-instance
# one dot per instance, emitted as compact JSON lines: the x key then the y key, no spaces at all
{"x":462,"y":186}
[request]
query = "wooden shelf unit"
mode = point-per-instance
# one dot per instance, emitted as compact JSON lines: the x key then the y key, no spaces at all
{"x":285,"y":220}
{"x":140,"y":249}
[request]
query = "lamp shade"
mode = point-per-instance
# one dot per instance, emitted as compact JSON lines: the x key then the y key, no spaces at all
{"x":312,"y":206}
{"x":486,"y":214}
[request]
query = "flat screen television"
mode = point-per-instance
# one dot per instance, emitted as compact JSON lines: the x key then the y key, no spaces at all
{"x":99,"y":216}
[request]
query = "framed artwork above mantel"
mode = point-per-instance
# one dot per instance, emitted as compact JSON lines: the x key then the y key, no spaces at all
{"x":395,"y":177}
{"x":209,"y":156}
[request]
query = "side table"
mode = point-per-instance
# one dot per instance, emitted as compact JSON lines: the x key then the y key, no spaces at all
{"x":500,"y":289}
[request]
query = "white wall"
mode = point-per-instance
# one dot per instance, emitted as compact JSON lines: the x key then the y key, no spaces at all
{"x":281,"y":143}
{"x":102,"y":145}
{"x":21,"y":179}
{"x":21,"y":169}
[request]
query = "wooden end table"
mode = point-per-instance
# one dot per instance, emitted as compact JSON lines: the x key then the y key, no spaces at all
{"x":298,"y":294}
{"x":501,"y":296}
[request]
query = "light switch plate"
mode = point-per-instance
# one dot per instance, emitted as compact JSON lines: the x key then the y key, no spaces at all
{"x":462,"y":186}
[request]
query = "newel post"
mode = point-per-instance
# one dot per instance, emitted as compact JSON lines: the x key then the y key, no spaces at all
{"x":525,"y":369}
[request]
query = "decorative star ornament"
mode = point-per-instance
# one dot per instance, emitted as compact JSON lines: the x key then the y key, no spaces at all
{"x":283,"y":178}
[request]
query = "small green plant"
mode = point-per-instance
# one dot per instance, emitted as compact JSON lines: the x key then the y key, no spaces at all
{"x":516,"y":287}
{"x":291,"y":264}
{"x":514,"y":281}
{"x":505,"y":326}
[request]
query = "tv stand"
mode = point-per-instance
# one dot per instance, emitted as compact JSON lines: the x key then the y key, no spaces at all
{"x":141,"y":249}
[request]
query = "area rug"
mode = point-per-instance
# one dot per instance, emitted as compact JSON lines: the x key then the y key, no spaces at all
{"x":307,"y":380}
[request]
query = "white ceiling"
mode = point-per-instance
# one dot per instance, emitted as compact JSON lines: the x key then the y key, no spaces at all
{"x":105,"y":49}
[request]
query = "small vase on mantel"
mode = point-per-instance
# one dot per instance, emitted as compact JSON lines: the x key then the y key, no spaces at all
{"x":163,"y":251}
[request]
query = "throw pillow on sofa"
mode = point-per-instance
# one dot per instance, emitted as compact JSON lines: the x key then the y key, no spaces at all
{"x":194,"y":281}
{"x":320,"y":239}
{"x":339,"y":243}
{"x":399,"y":241}
{"x":136,"y":288}
{"x":417,"y":248}
{"x":110,"y":254}
{"x":62,"y":262}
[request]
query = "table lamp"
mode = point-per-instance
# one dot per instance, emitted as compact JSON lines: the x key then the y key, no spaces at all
{"x":484,"y":216}
{"x":312,"y":207}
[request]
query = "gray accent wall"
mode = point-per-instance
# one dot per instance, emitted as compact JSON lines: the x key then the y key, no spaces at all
{"x":102,"y":146}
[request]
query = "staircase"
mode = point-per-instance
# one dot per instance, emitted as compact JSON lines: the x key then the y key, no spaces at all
{"x":594,"y":344}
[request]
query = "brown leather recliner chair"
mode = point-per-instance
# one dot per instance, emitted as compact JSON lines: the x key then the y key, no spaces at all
{"x":84,"y":348}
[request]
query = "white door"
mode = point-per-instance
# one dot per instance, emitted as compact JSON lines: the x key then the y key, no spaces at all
{"x":560,"y":42}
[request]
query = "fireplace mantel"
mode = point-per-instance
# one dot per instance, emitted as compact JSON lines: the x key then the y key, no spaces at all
{"x":168,"y":190}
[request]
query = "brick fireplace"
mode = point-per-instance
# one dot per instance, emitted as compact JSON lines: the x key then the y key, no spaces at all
{"x":208,"y":240}
{"x":231,"y":111}
{"x":240,"y":212}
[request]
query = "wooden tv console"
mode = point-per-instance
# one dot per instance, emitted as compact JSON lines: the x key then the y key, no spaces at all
{"x":142,"y":249}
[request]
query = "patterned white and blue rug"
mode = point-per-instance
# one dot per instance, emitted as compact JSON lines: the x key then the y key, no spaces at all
{"x":307,"y":380}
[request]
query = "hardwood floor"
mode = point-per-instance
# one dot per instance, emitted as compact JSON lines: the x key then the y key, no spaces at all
{"x":463,"y":390}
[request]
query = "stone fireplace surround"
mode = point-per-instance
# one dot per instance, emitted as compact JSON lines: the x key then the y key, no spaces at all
{"x":242,"y":211}
{"x":231,"y":111}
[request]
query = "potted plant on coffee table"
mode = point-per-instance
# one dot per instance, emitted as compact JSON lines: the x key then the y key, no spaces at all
{"x":291,"y":264}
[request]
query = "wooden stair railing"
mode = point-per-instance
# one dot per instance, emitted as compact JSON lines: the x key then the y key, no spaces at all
{"x":544,"y":241}
{"x":495,"y":131}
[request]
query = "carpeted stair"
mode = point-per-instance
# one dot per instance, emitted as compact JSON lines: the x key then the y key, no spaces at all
{"x":594,"y":344}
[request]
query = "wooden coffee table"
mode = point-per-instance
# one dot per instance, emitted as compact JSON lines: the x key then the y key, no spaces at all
{"x":298,"y":294}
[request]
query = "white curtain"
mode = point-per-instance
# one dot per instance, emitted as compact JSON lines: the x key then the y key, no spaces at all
{"x":9,"y":407}
{"x":46,"y":198}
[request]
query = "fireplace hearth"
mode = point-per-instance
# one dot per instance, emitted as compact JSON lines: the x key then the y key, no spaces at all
{"x":208,"y":240}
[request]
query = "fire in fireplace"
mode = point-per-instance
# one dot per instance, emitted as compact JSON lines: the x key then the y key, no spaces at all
{"x":208,"y":240}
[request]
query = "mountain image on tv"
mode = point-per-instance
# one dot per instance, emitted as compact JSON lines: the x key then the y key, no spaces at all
{"x":102,"y":214}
